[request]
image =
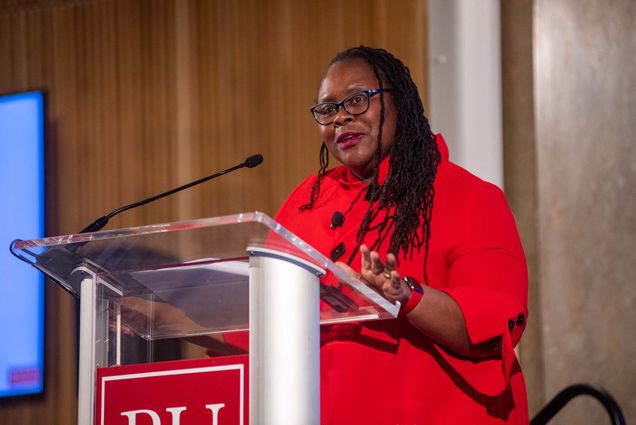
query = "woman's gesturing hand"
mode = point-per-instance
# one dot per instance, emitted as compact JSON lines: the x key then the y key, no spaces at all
{"x":437,"y":315}
{"x":381,"y":276}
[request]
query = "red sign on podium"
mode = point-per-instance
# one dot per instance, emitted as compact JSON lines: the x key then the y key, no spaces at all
{"x":187,"y":392}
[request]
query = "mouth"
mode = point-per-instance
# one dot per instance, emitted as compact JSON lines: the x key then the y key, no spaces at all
{"x":348,"y":139}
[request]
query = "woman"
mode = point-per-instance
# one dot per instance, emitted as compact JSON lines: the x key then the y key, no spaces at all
{"x":421,"y":231}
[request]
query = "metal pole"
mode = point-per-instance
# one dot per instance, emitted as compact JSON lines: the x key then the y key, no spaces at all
{"x":284,"y":339}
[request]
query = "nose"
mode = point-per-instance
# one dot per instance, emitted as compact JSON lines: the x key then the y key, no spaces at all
{"x":342,"y":117}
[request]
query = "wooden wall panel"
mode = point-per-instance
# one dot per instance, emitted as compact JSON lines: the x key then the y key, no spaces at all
{"x":144,"y":95}
{"x":268,"y":57}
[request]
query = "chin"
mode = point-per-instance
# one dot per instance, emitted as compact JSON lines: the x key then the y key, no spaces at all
{"x":352,"y":162}
{"x":361,"y":170}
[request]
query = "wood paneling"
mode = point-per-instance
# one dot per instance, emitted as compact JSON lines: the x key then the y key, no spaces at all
{"x":144,"y":95}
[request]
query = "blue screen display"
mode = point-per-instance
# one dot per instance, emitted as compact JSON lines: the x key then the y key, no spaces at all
{"x":21,"y":216}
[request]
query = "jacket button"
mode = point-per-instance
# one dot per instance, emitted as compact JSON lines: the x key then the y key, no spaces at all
{"x":337,"y":251}
{"x":520,"y":319}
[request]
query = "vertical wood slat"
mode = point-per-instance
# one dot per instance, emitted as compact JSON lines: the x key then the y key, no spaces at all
{"x":144,"y":95}
{"x":184,"y":108}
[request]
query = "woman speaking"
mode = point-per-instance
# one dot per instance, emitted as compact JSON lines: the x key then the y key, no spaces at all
{"x":422,"y":231}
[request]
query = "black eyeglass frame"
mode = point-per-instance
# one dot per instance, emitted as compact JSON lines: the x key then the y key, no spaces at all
{"x":369,"y":92}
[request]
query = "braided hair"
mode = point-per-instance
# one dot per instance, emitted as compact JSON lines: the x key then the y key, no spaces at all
{"x":404,"y":202}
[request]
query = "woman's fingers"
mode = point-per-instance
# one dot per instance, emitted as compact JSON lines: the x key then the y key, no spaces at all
{"x":371,"y":260}
{"x":383,"y":277}
{"x":396,"y":282}
{"x":390,"y":262}
{"x":365,"y":255}
{"x":376,"y":263}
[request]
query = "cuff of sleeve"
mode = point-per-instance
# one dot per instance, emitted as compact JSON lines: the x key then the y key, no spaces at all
{"x":488,"y":315}
{"x":414,"y":300}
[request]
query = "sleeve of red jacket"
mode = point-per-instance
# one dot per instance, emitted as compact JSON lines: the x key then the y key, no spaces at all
{"x":488,"y":279}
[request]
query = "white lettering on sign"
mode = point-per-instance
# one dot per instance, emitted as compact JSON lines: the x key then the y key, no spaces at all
{"x":132,"y":416}
{"x":214,"y":408}
{"x":175,"y":412}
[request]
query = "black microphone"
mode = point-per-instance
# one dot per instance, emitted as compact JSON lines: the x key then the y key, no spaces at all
{"x":253,"y":161}
{"x":337,"y":219}
{"x":250,"y":162}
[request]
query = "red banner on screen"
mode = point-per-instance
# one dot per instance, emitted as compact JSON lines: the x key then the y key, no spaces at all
{"x":188,"y":392}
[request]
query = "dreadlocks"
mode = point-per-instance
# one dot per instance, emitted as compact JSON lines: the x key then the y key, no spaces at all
{"x":405,"y":200}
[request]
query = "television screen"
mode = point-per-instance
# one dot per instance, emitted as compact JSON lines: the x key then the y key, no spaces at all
{"x":21,"y":216}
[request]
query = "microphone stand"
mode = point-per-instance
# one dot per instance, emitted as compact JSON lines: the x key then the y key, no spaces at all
{"x":98,"y":224}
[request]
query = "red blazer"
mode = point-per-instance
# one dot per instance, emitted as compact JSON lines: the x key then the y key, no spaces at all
{"x":388,"y":372}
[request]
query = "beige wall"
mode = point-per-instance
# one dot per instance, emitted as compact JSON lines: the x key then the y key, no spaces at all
{"x":570,"y":128}
{"x":585,"y":82}
{"x":520,"y":165}
{"x":144,"y":95}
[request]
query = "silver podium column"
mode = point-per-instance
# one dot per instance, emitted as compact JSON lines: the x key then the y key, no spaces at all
{"x":284,"y":339}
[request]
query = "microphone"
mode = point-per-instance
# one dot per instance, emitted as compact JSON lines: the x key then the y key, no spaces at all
{"x":250,"y":162}
{"x":254,"y":160}
{"x":337,"y":219}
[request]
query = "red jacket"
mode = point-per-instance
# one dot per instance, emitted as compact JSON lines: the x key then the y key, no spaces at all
{"x":388,"y":372}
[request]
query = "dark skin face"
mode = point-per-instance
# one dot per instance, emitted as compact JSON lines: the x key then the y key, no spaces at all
{"x":353,"y":139}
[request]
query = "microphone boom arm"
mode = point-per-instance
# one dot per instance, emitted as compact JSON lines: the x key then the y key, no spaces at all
{"x":98,"y":224}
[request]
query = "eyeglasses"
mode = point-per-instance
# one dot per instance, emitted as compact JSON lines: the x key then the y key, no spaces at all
{"x":355,"y":104}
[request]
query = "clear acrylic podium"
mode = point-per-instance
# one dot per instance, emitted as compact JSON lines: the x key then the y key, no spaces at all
{"x":200,"y":280}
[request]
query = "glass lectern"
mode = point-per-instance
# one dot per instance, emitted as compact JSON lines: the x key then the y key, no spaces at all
{"x":203,"y":280}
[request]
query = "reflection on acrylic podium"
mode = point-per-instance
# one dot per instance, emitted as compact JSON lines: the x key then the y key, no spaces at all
{"x":207,"y":321}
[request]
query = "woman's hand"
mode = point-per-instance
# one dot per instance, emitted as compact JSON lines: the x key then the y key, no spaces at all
{"x":383,"y":277}
{"x":437,"y":314}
